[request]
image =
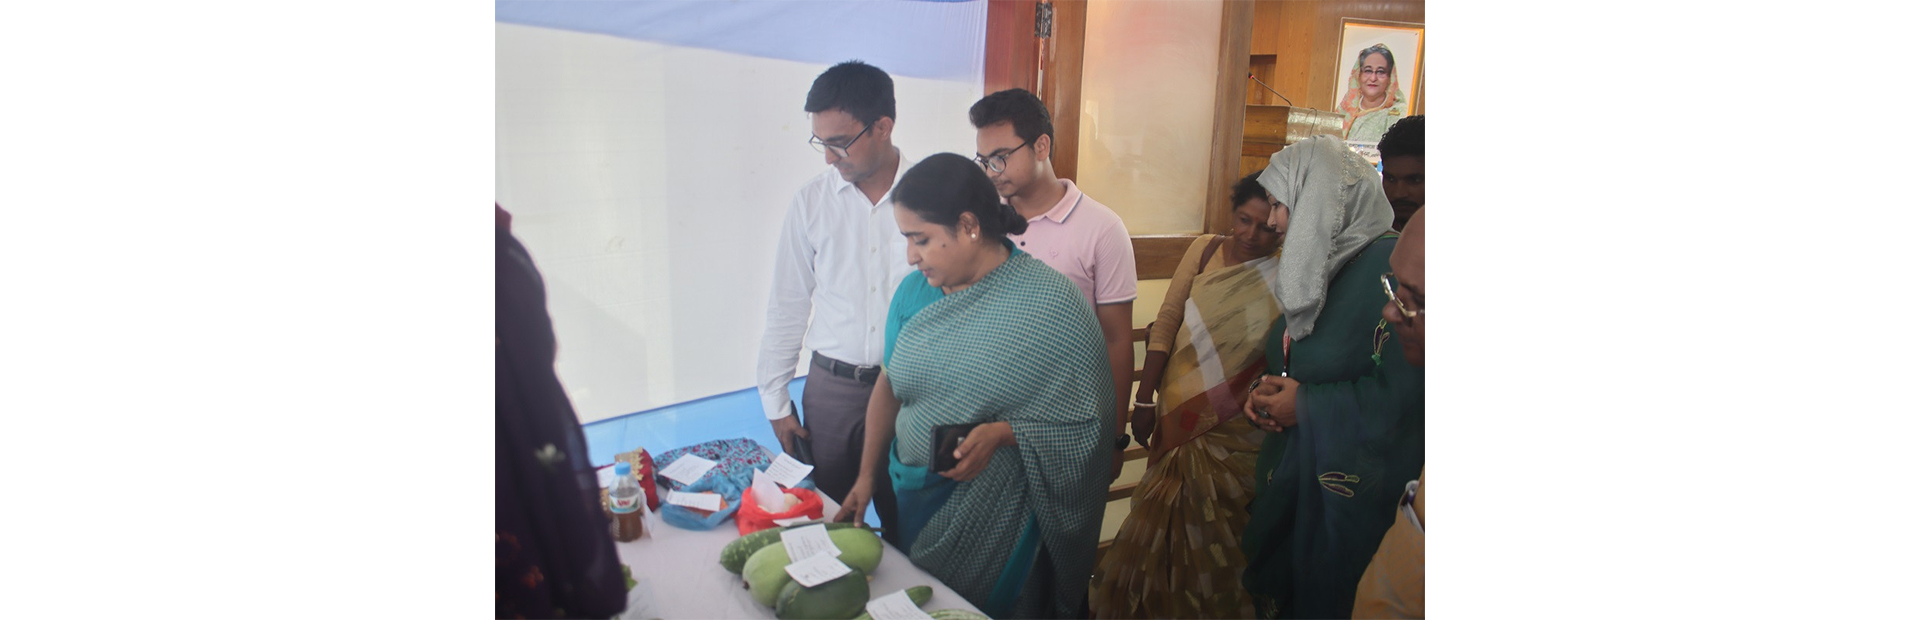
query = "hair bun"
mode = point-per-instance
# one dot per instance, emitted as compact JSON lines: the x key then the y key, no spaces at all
{"x":1010,"y":220}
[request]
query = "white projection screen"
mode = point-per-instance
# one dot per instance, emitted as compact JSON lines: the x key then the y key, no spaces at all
{"x":647,"y":152}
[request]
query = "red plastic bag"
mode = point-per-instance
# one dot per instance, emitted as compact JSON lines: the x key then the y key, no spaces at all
{"x":642,"y":464}
{"x":752,"y":518}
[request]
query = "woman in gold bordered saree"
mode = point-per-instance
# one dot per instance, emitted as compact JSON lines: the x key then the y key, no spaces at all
{"x":1177,"y":555}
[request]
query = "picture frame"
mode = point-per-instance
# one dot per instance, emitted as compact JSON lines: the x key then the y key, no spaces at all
{"x":1368,"y":104}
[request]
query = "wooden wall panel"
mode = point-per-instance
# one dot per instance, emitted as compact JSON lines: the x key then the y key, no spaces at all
{"x":1306,"y":37}
{"x":1266,"y":20}
{"x":1156,"y":256}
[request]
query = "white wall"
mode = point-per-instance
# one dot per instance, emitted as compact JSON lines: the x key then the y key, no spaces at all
{"x":648,"y":181}
{"x":1146,"y":110}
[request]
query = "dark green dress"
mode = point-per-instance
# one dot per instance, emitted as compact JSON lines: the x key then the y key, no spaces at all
{"x":1327,"y":489}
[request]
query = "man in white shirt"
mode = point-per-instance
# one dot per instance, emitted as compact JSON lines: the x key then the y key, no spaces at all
{"x":1066,"y":229}
{"x":839,"y":257}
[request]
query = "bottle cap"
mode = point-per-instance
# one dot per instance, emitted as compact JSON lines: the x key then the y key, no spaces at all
{"x":622,"y":468}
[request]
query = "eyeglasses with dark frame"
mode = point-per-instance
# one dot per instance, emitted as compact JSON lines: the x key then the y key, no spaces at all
{"x":998,"y":162}
{"x":1390,"y":283}
{"x":839,"y":150}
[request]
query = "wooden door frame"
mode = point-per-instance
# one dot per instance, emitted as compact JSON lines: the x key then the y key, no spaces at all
{"x":1048,"y":67}
{"x":1052,"y":67}
{"x":1229,"y":112}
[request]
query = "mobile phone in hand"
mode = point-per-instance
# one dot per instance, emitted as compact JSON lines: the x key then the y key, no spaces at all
{"x":946,"y":439}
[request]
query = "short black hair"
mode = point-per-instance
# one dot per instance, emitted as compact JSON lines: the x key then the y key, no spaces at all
{"x":1407,"y":137}
{"x":1029,"y":116}
{"x":1248,"y":188}
{"x":1378,"y":48}
{"x":945,"y":185}
{"x":861,"y":90}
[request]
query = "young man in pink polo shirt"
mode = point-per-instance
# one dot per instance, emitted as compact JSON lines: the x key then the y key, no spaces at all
{"x":1066,"y":229}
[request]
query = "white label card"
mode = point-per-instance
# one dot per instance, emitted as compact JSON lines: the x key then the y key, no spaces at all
{"x":896,"y":606}
{"x":817,"y":570}
{"x":704,"y":501}
{"x":767,"y":494}
{"x":794,"y":521}
{"x":788,"y":472}
{"x":606,"y":476}
{"x":688,"y":469}
{"x":809,"y":541}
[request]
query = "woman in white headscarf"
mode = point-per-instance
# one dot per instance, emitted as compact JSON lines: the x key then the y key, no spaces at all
{"x":1343,"y":410}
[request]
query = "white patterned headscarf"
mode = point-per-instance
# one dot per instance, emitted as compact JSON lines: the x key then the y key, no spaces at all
{"x":1335,"y":208}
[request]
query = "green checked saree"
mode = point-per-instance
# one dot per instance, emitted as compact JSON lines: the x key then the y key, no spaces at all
{"x":1019,"y":346}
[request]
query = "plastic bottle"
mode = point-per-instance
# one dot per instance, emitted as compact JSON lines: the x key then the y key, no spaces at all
{"x":623,"y":500}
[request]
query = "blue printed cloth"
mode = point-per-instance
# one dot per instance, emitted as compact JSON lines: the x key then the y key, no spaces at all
{"x":736,"y":460}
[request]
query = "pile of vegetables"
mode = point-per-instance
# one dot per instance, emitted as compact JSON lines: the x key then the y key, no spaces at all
{"x":761,"y":560}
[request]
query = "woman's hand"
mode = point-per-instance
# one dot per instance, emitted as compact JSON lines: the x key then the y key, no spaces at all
{"x":1143,"y":421}
{"x":977,"y":449}
{"x":1277,"y":397}
{"x":855,"y":508}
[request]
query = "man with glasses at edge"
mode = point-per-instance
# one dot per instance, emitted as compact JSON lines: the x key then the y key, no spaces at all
{"x":838,"y":259}
{"x":1395,"y":584}
{"x":1066,"y":229}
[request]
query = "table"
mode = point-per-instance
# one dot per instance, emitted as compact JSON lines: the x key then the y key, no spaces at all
{"x":679,"y":575}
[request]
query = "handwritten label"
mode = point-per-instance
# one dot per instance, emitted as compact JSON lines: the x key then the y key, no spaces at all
{"x":688,"y":469}
{"x":809,"y":541}
{"x":709,"y":502}
{"x":896,"y":606}
{"x":817,"y":570}
{"x":795,"y":521}
{"x":788,"y":472}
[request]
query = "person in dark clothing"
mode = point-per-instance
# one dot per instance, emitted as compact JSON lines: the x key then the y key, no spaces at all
{"x":554,"y":556}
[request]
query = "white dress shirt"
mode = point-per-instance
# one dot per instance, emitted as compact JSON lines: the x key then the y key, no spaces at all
{"x":839,"y":258}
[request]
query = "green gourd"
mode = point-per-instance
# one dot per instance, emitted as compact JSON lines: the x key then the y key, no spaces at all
{"x":919,"y":594}
{"x":840,"y":599}
{"x":858,"y":548}
{"x":956,"y":614}
{"x":734,"y":556}
{"x":766,"y":573}
{"x":766,"y":570}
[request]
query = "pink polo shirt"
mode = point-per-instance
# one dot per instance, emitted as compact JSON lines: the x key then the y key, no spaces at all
{"x":1085,"y":241}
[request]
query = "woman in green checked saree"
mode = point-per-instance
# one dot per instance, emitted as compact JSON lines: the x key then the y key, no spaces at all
{"x":1343,"y":409}
{"x":984,"y":333}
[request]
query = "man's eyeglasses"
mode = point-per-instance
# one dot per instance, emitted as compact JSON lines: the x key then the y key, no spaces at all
{"x":839,"y":150}
{"x":1390,"y":283}
{"x":998,"y":162}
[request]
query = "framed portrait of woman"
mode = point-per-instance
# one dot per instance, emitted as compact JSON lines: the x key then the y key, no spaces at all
{"x":1377,"y":75}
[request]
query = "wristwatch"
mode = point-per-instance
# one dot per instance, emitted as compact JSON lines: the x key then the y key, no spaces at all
{"x":1121,"y":442}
